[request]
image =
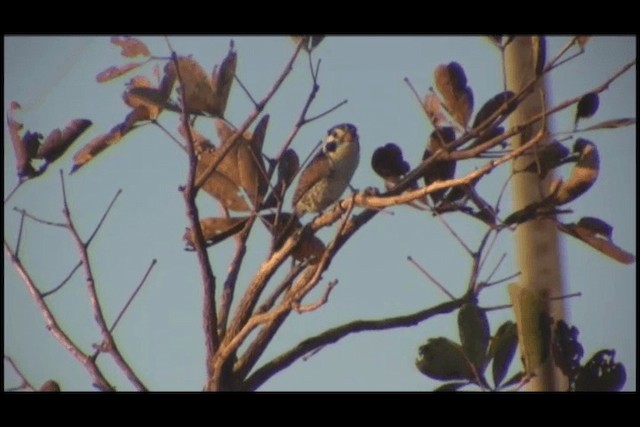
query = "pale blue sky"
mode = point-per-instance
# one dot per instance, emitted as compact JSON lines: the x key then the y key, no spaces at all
{"x":53,"y":78}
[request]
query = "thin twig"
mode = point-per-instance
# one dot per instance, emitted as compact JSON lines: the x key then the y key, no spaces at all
{"x":6,"y":199}
{"x":488,"y":251}
{"x":108,"y":340}
{"x":433,"y":280}
{"x":25,"y":383}
{"x":135,"y":292}
{"x":246,"y":91}
{"x":52,"y":325}
{"x":104,"y":216}
{"x":330,"y":110}
{"x":169,"y":134}
{"x":505,"y":279}
{"x":36,"y":219}
{"x":64,"y":281}
{"x":455,"y":235}
{"x":502,"y":258}
{"x":20,"y":228}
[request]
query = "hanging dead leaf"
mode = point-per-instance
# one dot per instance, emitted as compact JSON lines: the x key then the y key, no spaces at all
{"x":539,"y":53}
{"x":287,"y":169}
{"x":309,"y":43}
{"x":95,"y":147}
{"x":433,"y":107}
{"x":587,"y":107}
{"x":612,"y":124}
{"x":310,"y":248}
{"x":57,"y":142}
{"x":222,"y":80}
{"x":50,"y":386}
{"x":583,"y":175}
{"x":582,"y":41}
{"x":589,"y":231}
{"x":131,"y":46}
{"x":215,"y":230}
{"x":22,"y":147}
{"x":219,"y":185}
{"x":440,"y":170}
{"x":117,"y":71}
{"x":598,"y":226}
{"x":451,"y":81}
{"x":200,"y":142}
{"x":533,"y":324}
{"x":197,"y":88}
{"x":494,"y":104}
{"x":387,"y":161}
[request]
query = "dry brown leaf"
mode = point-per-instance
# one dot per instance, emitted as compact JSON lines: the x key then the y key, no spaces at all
{"x":197,"y":88}
{"x":131,"y":47}
{"x":583,"y":174}
{"x":57,"y":142}
{"x":590,"y":237}
{"x":451,"y":82}
{"x":116,"y":71}
{"x":612,"y":124}
{"x":582,"y":40}
{"x":493,"y":105}
{"x":222,"y":79}
{"x":95,"y":147}
{"x":23,"y":148}
{"x":433,"y":108}
{"x":215,"y":230}
{"x":287,"y":169}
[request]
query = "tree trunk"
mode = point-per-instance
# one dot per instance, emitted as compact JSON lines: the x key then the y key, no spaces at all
{"x":537,"y":241}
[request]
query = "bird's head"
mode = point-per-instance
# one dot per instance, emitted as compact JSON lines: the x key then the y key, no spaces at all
{"x":340,"y":137}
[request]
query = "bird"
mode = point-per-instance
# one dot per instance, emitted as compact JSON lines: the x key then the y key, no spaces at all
{"x":324,"y":179}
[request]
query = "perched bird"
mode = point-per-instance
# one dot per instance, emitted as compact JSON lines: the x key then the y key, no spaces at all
{"x":328,"y":174}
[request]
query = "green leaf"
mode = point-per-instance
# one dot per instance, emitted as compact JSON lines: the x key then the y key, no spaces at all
{"x":453,"y":386}
{"x":601,"y":373}
{"x":503,"y":347}
{"x":533,"y":324}
{"x":473,"y":328}
{"x":443,"y":359}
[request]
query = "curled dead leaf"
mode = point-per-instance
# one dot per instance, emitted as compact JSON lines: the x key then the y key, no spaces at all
{"x":589,"y":231}
{"x":215,"y":230}
{"x":57,"y":142}
{"x":222,"y":80}
{"x":116,"y":71}
{"x":451,"y":82}
{"x":131,"y":46}
{"x":23,"y":147}
{"x":95,"y":147}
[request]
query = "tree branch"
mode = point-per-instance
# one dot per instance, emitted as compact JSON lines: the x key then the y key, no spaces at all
{"x":52,"y":325}
{"x":108,"y":343}
{"x":331,"y":336}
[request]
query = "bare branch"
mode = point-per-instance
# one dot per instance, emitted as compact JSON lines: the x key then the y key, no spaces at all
{"x":6,"y":199}
{"x":433,"y":280}
{"x":36,"y":219}
{"x":52,"y":325}
{"x":109,"y":342}
{"x":25,"y":382}
{"x":455,"y":235}
{"x":318,"y":304}
{"x":104,"y":216}
{"x":135,"y":292}
{"x":333,"y":335}
{"x":20,"y":233}
{"x":64,"y":281}
{"x":169,"y":134}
